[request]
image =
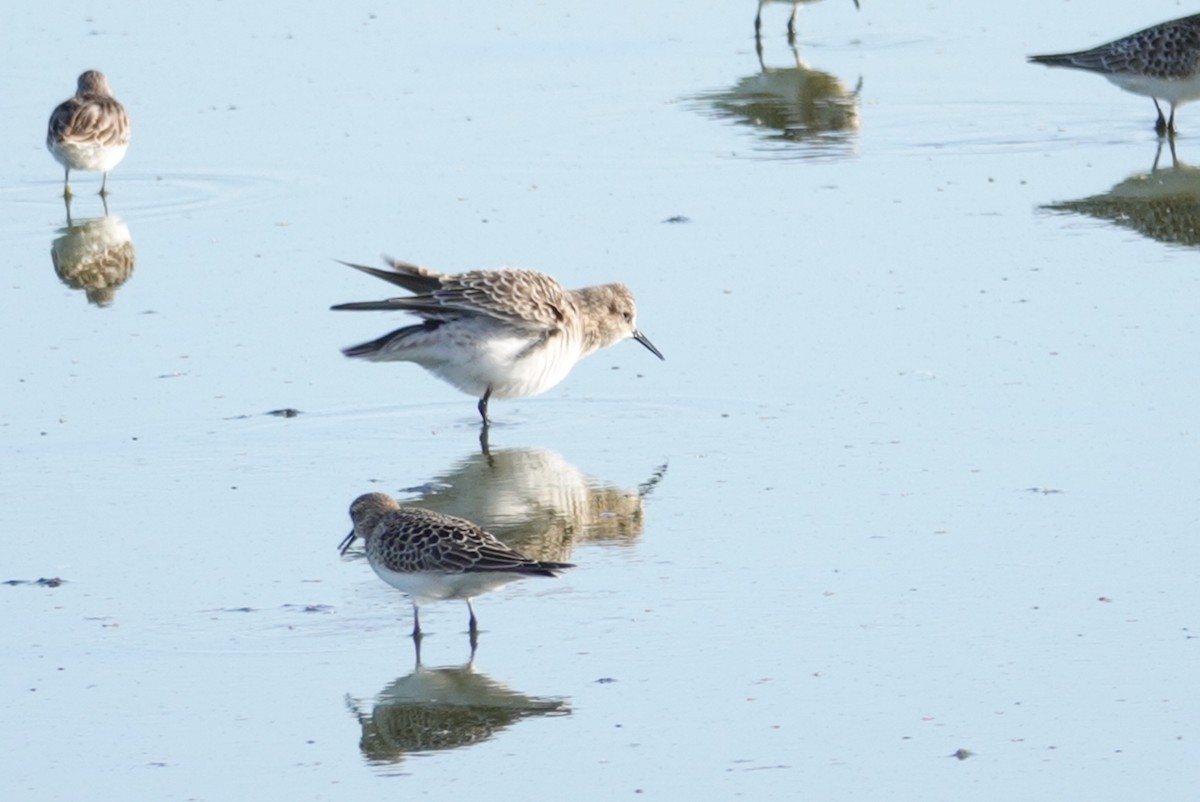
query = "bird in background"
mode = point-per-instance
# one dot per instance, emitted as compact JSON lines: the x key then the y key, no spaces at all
{"x":432,"y":556}
{"x":791,"y":20}
{"x":1161,"y":62}
{"x":505,"y":333}
{"x":89,"y":131}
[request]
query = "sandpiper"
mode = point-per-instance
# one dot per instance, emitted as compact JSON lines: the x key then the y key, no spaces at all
{"x":1162,"y":63}
{"x":506,"y":333}
{"x":89,"y":131}
{"x":791,"y":20}
{"x":432,"y":556}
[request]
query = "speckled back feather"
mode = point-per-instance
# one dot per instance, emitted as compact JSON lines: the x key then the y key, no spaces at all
{"x":1170,"y":50}
{"x":92,"y":115}
{"x":410,"y":539}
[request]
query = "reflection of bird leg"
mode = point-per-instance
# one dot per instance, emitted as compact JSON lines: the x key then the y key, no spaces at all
{"x":483,"y":443}
{"x":417,"y":647}
{"x":104,"y":201}
{"x":352,"y":706}
{"x":474,"y":630}
{"x":759,"y":49}
{"x":645,"y":487}
{"x":67,"y":203}
{"x":1158,"y":155}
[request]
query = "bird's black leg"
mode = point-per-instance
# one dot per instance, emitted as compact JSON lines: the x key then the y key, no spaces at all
{"x":416,"y":633}
{"x":473,"y":629}
{"x":483,"y":402}
{"x":67,"y":183}
{"x":1160,"y":125}
{"x":104,"y":186}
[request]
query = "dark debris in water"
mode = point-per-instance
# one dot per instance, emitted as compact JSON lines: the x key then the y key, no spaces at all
{"x":43,"y":582}
{"x":428,"y":489}
{"x":302,"y":608}
{"x":962,"y":754}
{"x":678,"y":218}
{"x":309,"y":608}
{"x":284,"y":412}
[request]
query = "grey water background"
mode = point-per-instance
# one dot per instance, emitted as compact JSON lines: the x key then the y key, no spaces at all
{"x":919,"y":474}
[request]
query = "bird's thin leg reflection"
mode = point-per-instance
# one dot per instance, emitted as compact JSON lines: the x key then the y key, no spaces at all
{"x":473,"y":630}
{"x":416,"y":630}
{"x":417,"y":636}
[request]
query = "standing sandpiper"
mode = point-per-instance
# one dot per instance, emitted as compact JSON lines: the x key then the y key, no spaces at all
{"x":1162,"y":62}
{"x":432,"y":556}
{"x":506,"y":333}
{"x":89,"y":131}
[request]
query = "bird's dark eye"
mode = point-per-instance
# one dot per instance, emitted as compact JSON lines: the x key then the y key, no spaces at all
{"x":628,"y":317}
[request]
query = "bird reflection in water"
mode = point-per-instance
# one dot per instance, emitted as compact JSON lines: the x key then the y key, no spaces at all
{"x":794,"y":105}
{"x":437,"y":709}
{"x":95,"y":255}
{"x":1162,"y":204}
{"x":537,"y":502}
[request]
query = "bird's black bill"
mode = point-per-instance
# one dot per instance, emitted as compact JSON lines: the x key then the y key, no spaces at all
{"x":344,"y":546}
{"x":644,"y":340}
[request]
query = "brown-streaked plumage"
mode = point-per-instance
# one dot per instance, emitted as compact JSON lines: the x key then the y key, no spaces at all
{"x":505,"y":333}
{"x":89,"y":131}
{"x":432,"y":556}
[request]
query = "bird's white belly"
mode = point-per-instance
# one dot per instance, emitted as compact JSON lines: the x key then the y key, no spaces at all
{"x":1172,"y":91}
{"x":429,"y":587}
{"x":88,"y":155}
{"x":505,"y":364}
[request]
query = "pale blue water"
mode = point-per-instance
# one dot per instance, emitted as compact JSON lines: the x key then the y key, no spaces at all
{"x":918,"y":475}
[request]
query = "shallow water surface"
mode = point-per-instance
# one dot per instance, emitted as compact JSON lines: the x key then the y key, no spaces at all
{"x":908,"y":512}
